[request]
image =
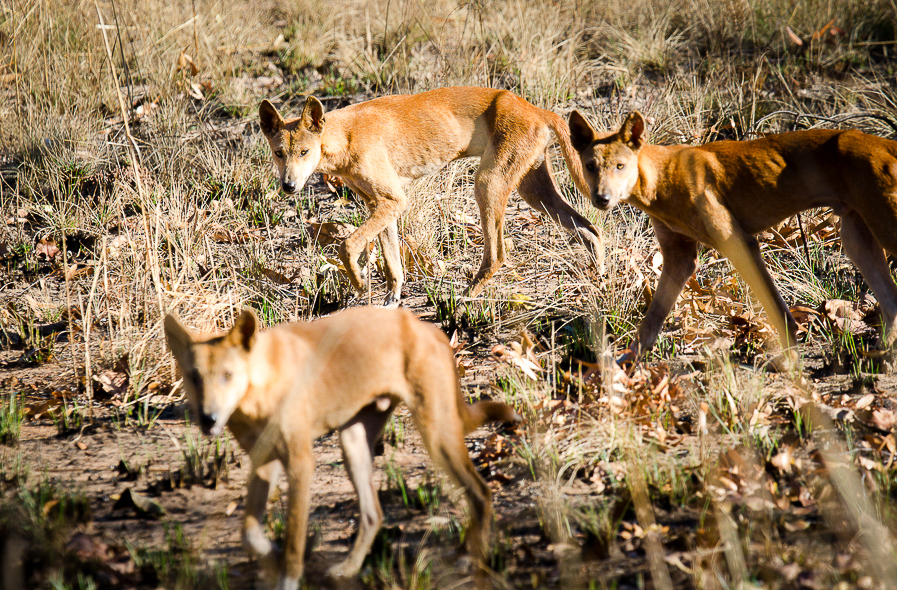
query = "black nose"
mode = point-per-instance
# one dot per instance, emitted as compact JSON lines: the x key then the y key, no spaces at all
{"x":288,"y":186}
{"x":600,"y":201}
{"x":207,"y":421}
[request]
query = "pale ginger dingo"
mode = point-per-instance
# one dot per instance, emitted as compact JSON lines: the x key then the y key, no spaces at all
{"x":722,"y":193}
{"x":281,"y":389}
{"x":378,"y":146}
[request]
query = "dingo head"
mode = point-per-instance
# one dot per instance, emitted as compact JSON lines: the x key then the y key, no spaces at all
{"x":215,"y":369}
{"x":610,"y":162}
{"x":296,"y":144}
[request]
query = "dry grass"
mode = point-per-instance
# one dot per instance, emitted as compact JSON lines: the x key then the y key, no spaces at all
{"x":187,"y":218}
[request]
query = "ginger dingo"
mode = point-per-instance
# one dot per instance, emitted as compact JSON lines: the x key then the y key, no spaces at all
{"x":378,"y":146}
{"x":281,"y":389}
{"x":722,"y":193}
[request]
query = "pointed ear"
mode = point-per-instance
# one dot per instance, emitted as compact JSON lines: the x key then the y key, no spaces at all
{"x":179,"y":338}
{"x":270,"y":119}
{"x":581,"y":133}
{"x":633,"y":130}
{"x":313,"y":115}
{"x":245,"y":329}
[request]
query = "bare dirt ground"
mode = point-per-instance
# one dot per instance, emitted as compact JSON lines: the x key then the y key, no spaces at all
{"x":197,"y":485}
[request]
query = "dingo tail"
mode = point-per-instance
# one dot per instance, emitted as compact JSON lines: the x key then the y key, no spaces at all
{"x":562,"y":132}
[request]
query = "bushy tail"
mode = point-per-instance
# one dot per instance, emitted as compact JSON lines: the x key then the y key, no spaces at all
{"x":562,"y":132}
{"x":475,"y":415}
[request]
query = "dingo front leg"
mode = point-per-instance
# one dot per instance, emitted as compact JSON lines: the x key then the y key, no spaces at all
{"x":392,"y":264}
{"x":387,"y":202}
{"x":680,"y":255}
{"x":262,"y":481}
{"x":538,"y":189}
{"x":300,"y":468}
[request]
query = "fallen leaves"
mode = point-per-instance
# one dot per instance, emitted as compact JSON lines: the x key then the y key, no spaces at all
{"x":142,"y":506}
{"x":520,"y":354}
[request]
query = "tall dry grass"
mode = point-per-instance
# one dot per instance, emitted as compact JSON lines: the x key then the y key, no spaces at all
{"x":206,"y":232}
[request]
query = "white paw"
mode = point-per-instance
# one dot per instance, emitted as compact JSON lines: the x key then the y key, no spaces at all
{"x":287,"y":583}
{"x":342,"y":570}
{"x":392,"y":301}
{"x":256,"y":543}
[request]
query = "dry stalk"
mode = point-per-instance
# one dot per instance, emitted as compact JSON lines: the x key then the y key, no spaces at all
{"x":660,"y":574}
{"x":872,"y":533}
{"x":134,"y":151}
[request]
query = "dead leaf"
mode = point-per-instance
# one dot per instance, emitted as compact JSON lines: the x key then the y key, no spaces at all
{"x":818,"y":34}
{"x":185,"y":62}
{"x":75,"y":271}
{"x":865,"y":401}
{"x":334,"y":183}
{"x":276,"y":277}
{"x":415,"y":258}
{"x":47,"y":249}
{"x":850,"y":317}
{"x":143,"y":506}
{"x":225,"y":236}
{"x":114,"y":382}
{"x":513,"y":356}
{"x":793,"y":36}
{"x":784,"y":460}
{"x":195,"y":91}
{"x":330,"y":232}
{"x":36,"y":411}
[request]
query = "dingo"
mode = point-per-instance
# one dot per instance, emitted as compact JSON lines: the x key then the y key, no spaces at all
{"x":722,"y":193}
{"x":378,"y":146}
{"x":281,"y":389}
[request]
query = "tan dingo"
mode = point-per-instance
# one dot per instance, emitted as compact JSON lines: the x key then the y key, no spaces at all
{"x":281,"y":389}
{"x":722,"y":193}
{"x":378,"y":146}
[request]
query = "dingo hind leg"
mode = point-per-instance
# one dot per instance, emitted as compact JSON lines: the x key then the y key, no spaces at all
{"x":357,"y":439}
{"x":446,"y":446}
{"x":743,"y":252}
{"x":500,"y":171}
{"x":867,"y":254}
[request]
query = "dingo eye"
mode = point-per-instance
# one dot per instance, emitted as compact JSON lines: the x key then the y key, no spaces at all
{"x":303,"y":152}
{"x":227,"y":375}
{"x":278,"y":153}
{"x":620,"y":166}
{"x":591,"y":167}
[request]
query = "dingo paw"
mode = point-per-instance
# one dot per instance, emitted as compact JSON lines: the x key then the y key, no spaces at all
{"x":392,"y":301}
{"x":287,"y":583}
{"x":342,"y":570}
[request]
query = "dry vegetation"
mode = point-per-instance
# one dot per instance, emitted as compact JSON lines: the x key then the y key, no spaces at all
{"x":135,"y":181}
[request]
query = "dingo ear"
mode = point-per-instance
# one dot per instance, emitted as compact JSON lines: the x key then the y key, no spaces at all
{"x":581,"y":133}
{"x":313,"y":115}
{"x":245,"y":329}
{"x":632,"y":130}
{"x":179,"y":338}
{"x":270,"y":119}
